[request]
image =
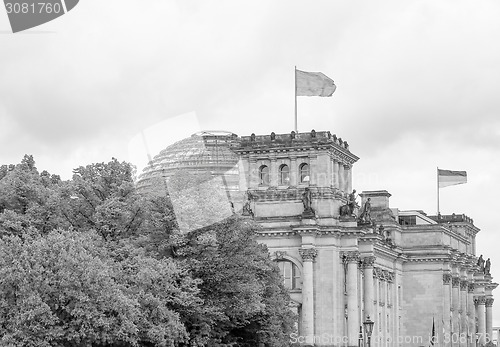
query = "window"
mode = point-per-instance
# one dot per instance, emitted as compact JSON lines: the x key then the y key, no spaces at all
{"x":304,"y":173}
{"x":284,"y":175}
{"x":291,"y":274}
{"x":264,"y":175}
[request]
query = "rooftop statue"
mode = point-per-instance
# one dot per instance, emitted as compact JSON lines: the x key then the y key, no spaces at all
{"x":480,"y":263}
{"x":347,"y":210}
{"x":487,"y":267}
{"x":247,"y":210}
{"x":365,"y":217}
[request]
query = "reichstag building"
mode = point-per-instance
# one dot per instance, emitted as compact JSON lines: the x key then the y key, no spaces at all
{"x":346,"y":263}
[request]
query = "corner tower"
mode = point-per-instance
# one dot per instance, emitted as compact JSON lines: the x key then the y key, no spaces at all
{"x":276,"y":169}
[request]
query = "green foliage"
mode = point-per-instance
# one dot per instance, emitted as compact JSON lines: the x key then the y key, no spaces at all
{"x":93,"y":262}
{"x":66,"y":289}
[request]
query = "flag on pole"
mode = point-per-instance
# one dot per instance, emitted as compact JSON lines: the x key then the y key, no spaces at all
{"x":313,"y":84}
{"x":449,"y":178}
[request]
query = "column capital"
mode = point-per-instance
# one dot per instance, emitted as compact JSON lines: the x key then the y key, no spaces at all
{"x":480,"y":300}
{"x":308,"y":254}
{"x":455,"y":281}
{"x":489,"y":302}
{"x":446,"y":278}
{"x":368,"y":261}
{"x":471,"y":287}
{"x":350,"y":256}
{"x":464,"y":285}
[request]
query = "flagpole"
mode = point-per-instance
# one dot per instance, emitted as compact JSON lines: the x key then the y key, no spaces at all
{"x":437,"y":178}
{"x":295,"y":78}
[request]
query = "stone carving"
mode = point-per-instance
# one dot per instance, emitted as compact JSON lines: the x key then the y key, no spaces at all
{"x":480,"y":300}
{"x":252,"y":137}
{"x":368,"y":261}
{"x":313,"y":133}
{"x":273,"y":136}
{"x":307,"y":202}
{"x":464,"y":285}
{"x":455,"y":281}
{"x":348,"y":209}
{"x":280,"y":255}
{"x":308,"y":254}
{"x":247,"y":210}
{"x":446,"y":278}
{"x":471,"y":287}
{"x":365,"y":215}
{"x":487,"y":267}
{"x":489,"y":302}
{"x":350,"y":257}
{"x":292,"y":135}
{"x":480,"y":263}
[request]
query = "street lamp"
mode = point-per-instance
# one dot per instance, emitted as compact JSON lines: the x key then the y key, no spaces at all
{"x":368,"y":324}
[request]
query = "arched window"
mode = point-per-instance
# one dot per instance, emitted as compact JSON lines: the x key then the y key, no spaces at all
{"x":284,"y":175}
{"x":291,"y":274}
{"x":304,"y":173}
{"x":264,"y":175}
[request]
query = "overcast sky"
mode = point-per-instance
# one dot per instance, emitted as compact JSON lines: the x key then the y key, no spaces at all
{"x":417,"y":87}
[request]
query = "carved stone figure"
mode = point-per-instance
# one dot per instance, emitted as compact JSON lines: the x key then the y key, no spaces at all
{"x":487,"y":267}
{"x":351,"y":201}
{"x":306,"y":200}
{"x":247,"y":210}
{"x":480,"y":263}
{"x":292,"y":135}
{"x":273,"y":136}
{"x":365,"y":216}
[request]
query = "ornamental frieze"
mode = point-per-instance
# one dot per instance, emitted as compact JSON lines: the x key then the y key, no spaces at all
{"x":308,"y":254}
{"x":446,"y":278}
{"x":383,"y":275}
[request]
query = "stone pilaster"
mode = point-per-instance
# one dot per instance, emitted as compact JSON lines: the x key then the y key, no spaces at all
{"x":480,"y":302}
{"x":308,"y":258}
{"x":489,"y":318}
{"x":341,"y":178}
{"x":348,"y":178}
{"x":353,"y":323}
{"x":368,"y":286}
{"x":293,"y":172}
{"x":273,"y":173}
{"x":455,"y":304}
{"x":447,"y":304}
{"x":335,"y":172}
{"x":471,"y":312}
{"x":463,"y":310}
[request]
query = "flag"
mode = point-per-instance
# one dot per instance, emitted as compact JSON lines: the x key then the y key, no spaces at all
{"x":449,"y":178}
{"x":313,"y":84}
{"x":433,"y":333}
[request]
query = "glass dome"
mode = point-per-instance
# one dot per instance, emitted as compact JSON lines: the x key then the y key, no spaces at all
{"x":204,"y":152}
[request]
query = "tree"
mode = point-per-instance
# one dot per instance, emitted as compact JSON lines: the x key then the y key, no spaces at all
{"x":67,"y":289}
{"x":244,"y":300}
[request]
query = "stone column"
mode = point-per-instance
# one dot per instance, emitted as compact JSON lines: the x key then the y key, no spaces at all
{"x":352,"y":260}
{"x":472,"y":315}
{"x":294,"y":170}
{"x":455,"y":304}
{"x":481,"y":319}
{"x":447,"y":305}
{"x":341,"y":178}
{"x":308,"y":257}
{"x":368,"y":287}
{"x":489,"y":319}
{"x":463,"y":311}
{"x":348,"y":178}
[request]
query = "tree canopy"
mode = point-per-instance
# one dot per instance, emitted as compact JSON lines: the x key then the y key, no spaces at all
{"x":92,"y":261}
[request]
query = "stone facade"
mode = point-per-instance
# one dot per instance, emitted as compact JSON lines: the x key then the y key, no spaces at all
{"x":406,"y":275}
{"x":405,"y":270}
